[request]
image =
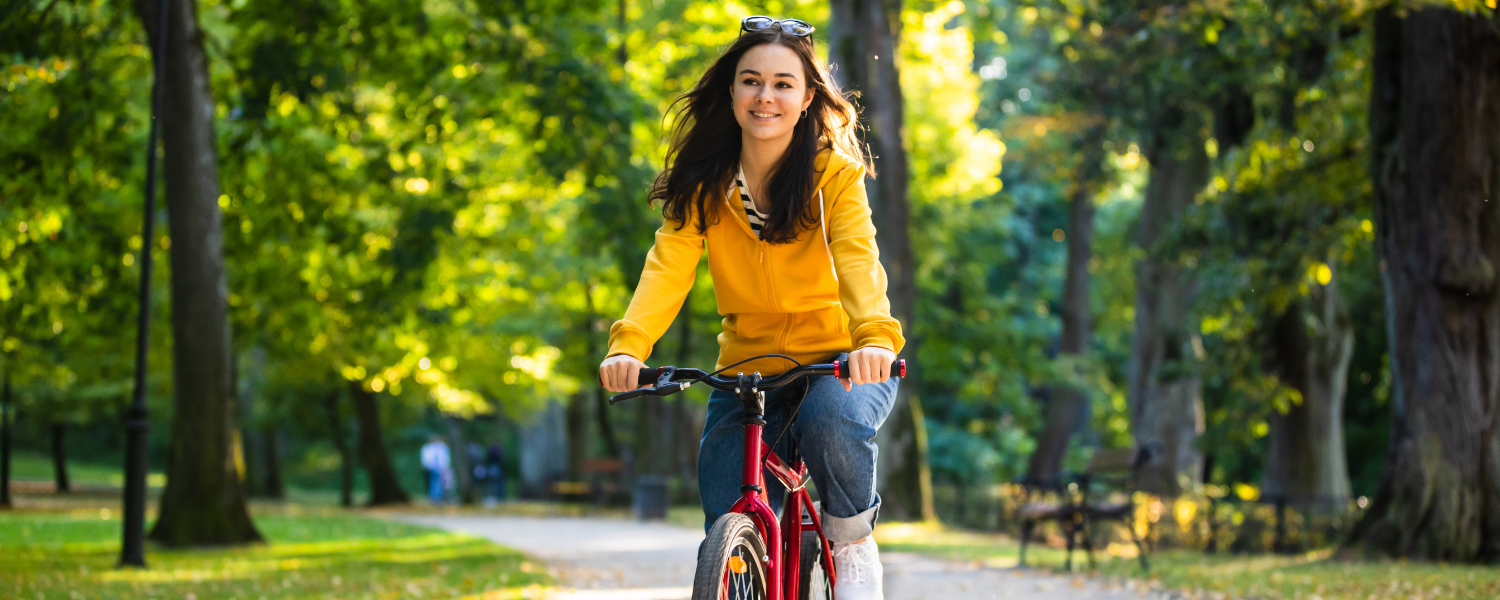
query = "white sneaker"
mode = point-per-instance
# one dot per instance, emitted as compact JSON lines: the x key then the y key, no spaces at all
{"x":859,"y":575}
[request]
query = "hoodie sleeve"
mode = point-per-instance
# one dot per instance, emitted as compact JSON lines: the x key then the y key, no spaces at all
{"x":671,"y":267}
{"x":862,"y":282}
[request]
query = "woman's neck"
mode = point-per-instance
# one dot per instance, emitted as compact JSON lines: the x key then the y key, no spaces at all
{"x":758,"y":157}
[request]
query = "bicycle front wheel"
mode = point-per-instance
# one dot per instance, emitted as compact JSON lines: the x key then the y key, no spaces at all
{"x":731,"y":562}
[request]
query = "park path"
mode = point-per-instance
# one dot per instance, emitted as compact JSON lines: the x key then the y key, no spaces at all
{"x":617,"y":559}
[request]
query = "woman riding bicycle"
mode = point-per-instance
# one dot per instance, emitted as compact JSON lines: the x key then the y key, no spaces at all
{"x":766,"y":172}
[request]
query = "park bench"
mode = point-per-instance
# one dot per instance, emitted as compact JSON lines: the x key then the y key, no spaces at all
{"x":1076,"y":501}
{"x":603,"y":479}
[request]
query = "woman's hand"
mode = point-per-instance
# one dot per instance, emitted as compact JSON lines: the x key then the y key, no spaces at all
{"x":870,"y":364}
{"x":620,"y":372}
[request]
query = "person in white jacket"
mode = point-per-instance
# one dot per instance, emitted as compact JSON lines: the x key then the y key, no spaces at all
{"x":438,"y":463}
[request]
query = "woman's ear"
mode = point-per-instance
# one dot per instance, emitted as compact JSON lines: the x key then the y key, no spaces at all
{"x":808,"y":101}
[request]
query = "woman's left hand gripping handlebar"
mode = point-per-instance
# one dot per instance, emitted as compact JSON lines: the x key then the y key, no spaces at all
{"x":871,"y":364}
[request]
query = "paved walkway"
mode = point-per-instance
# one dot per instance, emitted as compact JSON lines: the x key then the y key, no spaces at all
{"x":613,"y":559}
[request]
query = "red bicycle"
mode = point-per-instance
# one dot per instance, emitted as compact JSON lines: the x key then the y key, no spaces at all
{"x":747,"y":551}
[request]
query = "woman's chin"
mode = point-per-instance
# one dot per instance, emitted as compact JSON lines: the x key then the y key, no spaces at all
{"x":766,"y":134}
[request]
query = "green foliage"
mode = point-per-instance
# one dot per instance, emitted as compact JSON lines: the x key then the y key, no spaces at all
{"x":71,"y":135}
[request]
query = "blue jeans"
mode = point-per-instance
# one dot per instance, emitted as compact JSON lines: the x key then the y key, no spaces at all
{"x":835,"y":433}
{"x":435,"y":487}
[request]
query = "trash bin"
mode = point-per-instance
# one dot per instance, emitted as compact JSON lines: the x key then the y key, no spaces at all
{"x":651,"y":498}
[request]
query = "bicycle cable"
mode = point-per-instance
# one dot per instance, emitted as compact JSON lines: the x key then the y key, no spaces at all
{"x":794,"y":361}
{"x":806,"y":387}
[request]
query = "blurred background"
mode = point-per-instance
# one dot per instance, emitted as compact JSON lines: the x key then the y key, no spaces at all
{"x":1166,"y":228}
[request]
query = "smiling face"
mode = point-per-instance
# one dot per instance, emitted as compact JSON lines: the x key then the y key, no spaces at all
{"x":770,"y":92}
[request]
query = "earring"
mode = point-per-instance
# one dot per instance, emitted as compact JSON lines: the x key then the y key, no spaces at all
{"x":804,"y":113}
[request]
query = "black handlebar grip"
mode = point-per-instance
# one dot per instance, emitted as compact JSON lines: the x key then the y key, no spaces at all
{"x":898,"y":369}
{"x":647,"y":376}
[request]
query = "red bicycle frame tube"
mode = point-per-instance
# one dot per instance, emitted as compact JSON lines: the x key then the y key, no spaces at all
{"x":783,"y":542}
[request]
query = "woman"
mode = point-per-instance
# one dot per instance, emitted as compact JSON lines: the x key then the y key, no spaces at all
{"x":765,"y":171}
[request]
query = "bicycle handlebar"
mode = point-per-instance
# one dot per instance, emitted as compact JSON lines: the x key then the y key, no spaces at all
{"x":665,"y":381}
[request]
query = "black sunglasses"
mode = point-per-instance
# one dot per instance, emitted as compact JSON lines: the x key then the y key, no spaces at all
{"x":795,"y":27}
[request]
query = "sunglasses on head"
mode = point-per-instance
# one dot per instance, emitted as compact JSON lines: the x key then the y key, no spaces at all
{"x":795,"y":27}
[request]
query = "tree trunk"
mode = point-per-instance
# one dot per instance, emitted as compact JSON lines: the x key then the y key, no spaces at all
{"x":601,"y":404}
{"x":204,"y":501}
{"x":385,"y":489}
{"x":460,"y":458}
{"x":6,"y":408}
{"x":1305,"y":464}
{"x":341,"y":445}
{"x":275,"y":438}
{"x":60,"y":458}
{"x":1434,"y":115}
{"x":1165,"y":392}
{"x":863,"y":38}
{"x":1068,"y":408}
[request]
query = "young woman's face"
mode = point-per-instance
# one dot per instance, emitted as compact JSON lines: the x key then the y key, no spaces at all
{"x":770,"y":91}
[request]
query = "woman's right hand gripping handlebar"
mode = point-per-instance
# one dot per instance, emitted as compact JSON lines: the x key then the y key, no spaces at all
{"x":621,"y":373}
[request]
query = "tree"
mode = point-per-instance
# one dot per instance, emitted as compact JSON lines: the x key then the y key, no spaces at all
{"x":204,"y":502}
{"x":1434,"y":109}
{"x":862,"y":32}
{"x":1165,"y":394}
{"x":1067,"y":408}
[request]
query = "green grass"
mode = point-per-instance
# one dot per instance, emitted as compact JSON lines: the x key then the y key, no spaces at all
{"x":321,"y":553}
{"x":38,"y":467}
{"x":1315,"y":575}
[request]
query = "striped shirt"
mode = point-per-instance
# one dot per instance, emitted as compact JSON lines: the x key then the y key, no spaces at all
{"x":757,"y":219}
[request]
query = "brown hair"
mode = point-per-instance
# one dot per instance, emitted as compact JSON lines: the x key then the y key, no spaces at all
{"x":705,"y":147}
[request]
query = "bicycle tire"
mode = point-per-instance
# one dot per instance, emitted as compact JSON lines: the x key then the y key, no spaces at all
{"x":731,"y":562}
{"x":814,"y":581}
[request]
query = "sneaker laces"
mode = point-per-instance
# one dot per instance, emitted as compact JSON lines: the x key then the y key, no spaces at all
{"x":853,"y":561}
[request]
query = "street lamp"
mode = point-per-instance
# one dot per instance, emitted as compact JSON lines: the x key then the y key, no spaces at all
{"x":133,"y":547}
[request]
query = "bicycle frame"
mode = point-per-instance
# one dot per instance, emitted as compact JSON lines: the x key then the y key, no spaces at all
{"x":785,"y":552}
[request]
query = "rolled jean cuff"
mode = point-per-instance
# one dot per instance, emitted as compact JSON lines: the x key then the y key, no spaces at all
{"x":847,"y":530}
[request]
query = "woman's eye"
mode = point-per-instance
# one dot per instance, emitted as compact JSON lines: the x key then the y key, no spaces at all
{"x":784,"y":86}
{"x":750,"y":82}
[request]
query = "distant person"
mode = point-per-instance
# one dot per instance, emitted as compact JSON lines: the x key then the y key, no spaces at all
{"x":437,"y":462}
{"x":494,"y":472}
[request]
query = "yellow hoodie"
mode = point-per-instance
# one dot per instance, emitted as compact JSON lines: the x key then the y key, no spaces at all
{"x":814,"y":297}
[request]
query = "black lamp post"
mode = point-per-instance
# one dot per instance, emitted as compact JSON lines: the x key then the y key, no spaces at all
{"x":133,"y":547}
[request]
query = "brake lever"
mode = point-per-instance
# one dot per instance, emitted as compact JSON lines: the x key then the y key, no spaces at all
{"x":664,"y":387}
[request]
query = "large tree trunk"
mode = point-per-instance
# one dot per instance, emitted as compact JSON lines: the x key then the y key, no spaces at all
{"x":1165,"y":391}
{"x":1435,"y":128}
{"x":6,"y":408}
{"x":385,"y":489}
{"x":863,"y":39}
{"x":1311,"y":344}
{"x":1068,"y":408}
{"x":204,"y":501}
{"x":60,"y":458}
{"x":340,"y":445}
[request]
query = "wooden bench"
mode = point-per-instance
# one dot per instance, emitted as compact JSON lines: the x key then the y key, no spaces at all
{"x":1068,"y":501}
{"x":603,"y":479}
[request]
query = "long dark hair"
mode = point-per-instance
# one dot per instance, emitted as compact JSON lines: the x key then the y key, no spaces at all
{"x":705,"y":148}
